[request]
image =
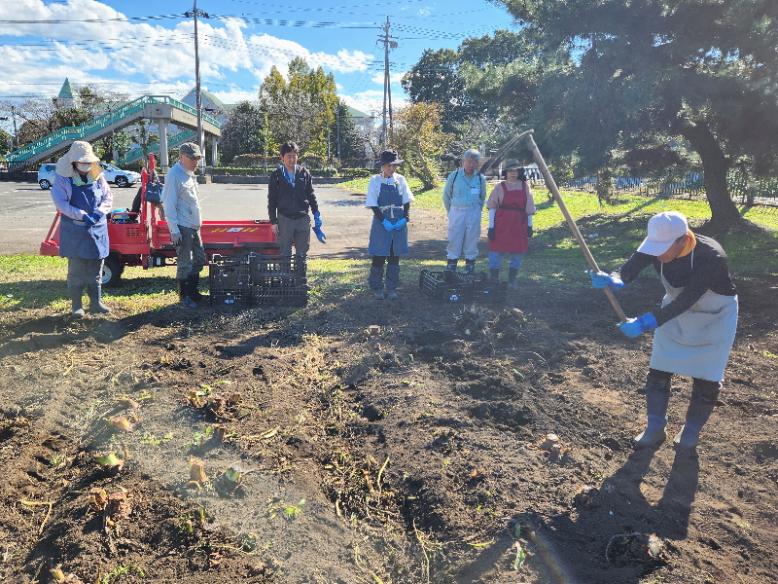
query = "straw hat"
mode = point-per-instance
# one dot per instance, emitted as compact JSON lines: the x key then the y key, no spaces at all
{"x":79,"y":152}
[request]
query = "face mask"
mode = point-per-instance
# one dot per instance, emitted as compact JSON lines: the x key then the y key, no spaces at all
{"x":83,"y":167}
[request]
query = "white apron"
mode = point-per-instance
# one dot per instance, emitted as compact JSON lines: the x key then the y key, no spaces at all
{"x":696,"y":343}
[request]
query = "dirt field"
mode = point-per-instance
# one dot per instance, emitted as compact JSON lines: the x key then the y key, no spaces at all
{"x":355,"y":441}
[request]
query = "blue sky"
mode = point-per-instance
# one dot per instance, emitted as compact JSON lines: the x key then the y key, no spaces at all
{"x":142,"y":46}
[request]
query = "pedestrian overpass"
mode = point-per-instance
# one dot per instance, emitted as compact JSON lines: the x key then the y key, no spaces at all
{"x":160,"y":109}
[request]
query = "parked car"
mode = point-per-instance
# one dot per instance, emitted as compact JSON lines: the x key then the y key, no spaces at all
{"x":121,"y":178}
{"x":46,"y":175}
{"x":113,"y":174}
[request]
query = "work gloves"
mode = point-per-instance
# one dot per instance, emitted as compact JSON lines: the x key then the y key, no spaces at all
{"x":317,"y":223}
{"x":389,"y":226}
{"x":605,"y":280}
{"x":529,"y":230}
{"x":634,"y":327}
{"x":175,"y":239}
{"x":490,"y":233}
{"x":93,"y":218}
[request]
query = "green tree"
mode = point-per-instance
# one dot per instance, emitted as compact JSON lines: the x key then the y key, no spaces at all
{"x":302,"y":109}
{"x":641,"y":74}
{"x":351,"y":145}
{"x":243,"y":132}
{"x":420,"y":140}
{"x":6,"y":141}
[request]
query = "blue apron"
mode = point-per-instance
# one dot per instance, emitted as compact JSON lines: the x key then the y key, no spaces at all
{"x":383,"y":242}
{"x":78,"y":239}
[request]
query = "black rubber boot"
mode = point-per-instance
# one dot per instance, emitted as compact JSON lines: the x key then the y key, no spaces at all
{"x":494,"y":274}
{"x":451,"y":271}
{"x":704,"y":396}
{"x":657,"y":399}
{"x":513,"y":283}
{"x":76,"y":308}
{"x":96,"y":305}
{"x":183,"y":294}
{"x":193,"y":284}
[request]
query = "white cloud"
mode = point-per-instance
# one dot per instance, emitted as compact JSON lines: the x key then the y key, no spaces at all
{"x":371,"y":101}
{"x":122,"y":51}
{"x":394,"y":78}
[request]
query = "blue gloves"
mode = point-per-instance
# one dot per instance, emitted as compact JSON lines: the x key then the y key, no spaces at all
{"x":317,"y":221}
{"x":634,"y":327}
{"x":604,"y":279}
{"x":400,"y":224}
{"x":319,"y":234}
{"x":93,"y":218}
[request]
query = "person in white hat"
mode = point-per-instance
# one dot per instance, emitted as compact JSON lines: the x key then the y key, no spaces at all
{"x":693,"y":330}
{"x":83,"y":198}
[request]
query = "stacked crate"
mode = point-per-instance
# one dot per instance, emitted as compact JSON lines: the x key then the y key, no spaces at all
{"x":229,"y":282}
{"x":278,"y":281}
{"x":258,"y":280}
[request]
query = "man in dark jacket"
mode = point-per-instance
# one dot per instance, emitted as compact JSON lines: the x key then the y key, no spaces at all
{"x":290,"y":195}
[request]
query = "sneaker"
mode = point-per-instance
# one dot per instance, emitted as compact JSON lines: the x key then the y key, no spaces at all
{"x":379,"y":295}
{"x":77,"y":313}
{"x":513,"y":285}
{"x":392,"y":295}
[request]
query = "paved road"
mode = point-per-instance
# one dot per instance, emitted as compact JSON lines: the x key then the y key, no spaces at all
{"x":26,"y":213}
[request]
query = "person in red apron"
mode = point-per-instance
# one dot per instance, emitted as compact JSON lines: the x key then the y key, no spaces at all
{"x":511,"y":207}
{"x":693,"y":330}
{"x":83,"y":199}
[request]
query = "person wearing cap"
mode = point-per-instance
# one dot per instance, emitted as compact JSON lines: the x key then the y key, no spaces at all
{"x":181,"y":203}
{"x":83,"y":199}
{"x":289,"y":197}
{"x":511,"y":207}
{"x":693,"y":330}
{"x":389,"y":197}
{"x":463,"y":198}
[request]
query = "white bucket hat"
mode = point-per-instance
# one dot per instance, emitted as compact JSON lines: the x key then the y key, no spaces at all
{"x":79,"y":152}
{"x":663,"y":230}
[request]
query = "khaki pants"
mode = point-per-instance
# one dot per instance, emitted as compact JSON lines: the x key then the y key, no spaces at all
{"x":190,"y":252}
{"x":297,"y":231}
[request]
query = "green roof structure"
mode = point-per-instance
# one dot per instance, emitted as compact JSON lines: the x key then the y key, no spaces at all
{"x":67,"y":91}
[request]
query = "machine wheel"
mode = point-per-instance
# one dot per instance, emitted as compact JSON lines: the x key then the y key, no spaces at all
{"x":112,"y":271}
{"x":44,"y":184}
{"x":121,"y":181}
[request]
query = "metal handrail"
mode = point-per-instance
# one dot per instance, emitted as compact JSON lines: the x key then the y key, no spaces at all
{"x":70,"y":133}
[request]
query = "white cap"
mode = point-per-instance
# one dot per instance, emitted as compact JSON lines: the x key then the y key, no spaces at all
{"x":663,"y":230}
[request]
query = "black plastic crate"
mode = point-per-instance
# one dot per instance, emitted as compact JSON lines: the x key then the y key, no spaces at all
{"x":240,"y":298}
{"x":264,"y":266}
{"x":458,"y":287}
{"x":278,"y":280}
{"x":279,"y":296}
{"x":446,"y":287}
{"x":228,"y":277}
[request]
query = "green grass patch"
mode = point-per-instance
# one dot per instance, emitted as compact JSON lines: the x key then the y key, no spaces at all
{"x":612,"y":232}
{"x":29,"y":282}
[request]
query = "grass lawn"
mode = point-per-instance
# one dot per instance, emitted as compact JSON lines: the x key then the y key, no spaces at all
{"x":612,"y":232}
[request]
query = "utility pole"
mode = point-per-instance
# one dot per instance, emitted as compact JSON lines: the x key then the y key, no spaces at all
{"x":389,"y":43}
{"x":194,"y":13}
{"x":337,"y":132}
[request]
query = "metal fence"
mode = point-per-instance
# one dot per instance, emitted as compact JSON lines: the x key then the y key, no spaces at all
{"x":745,"y":190}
